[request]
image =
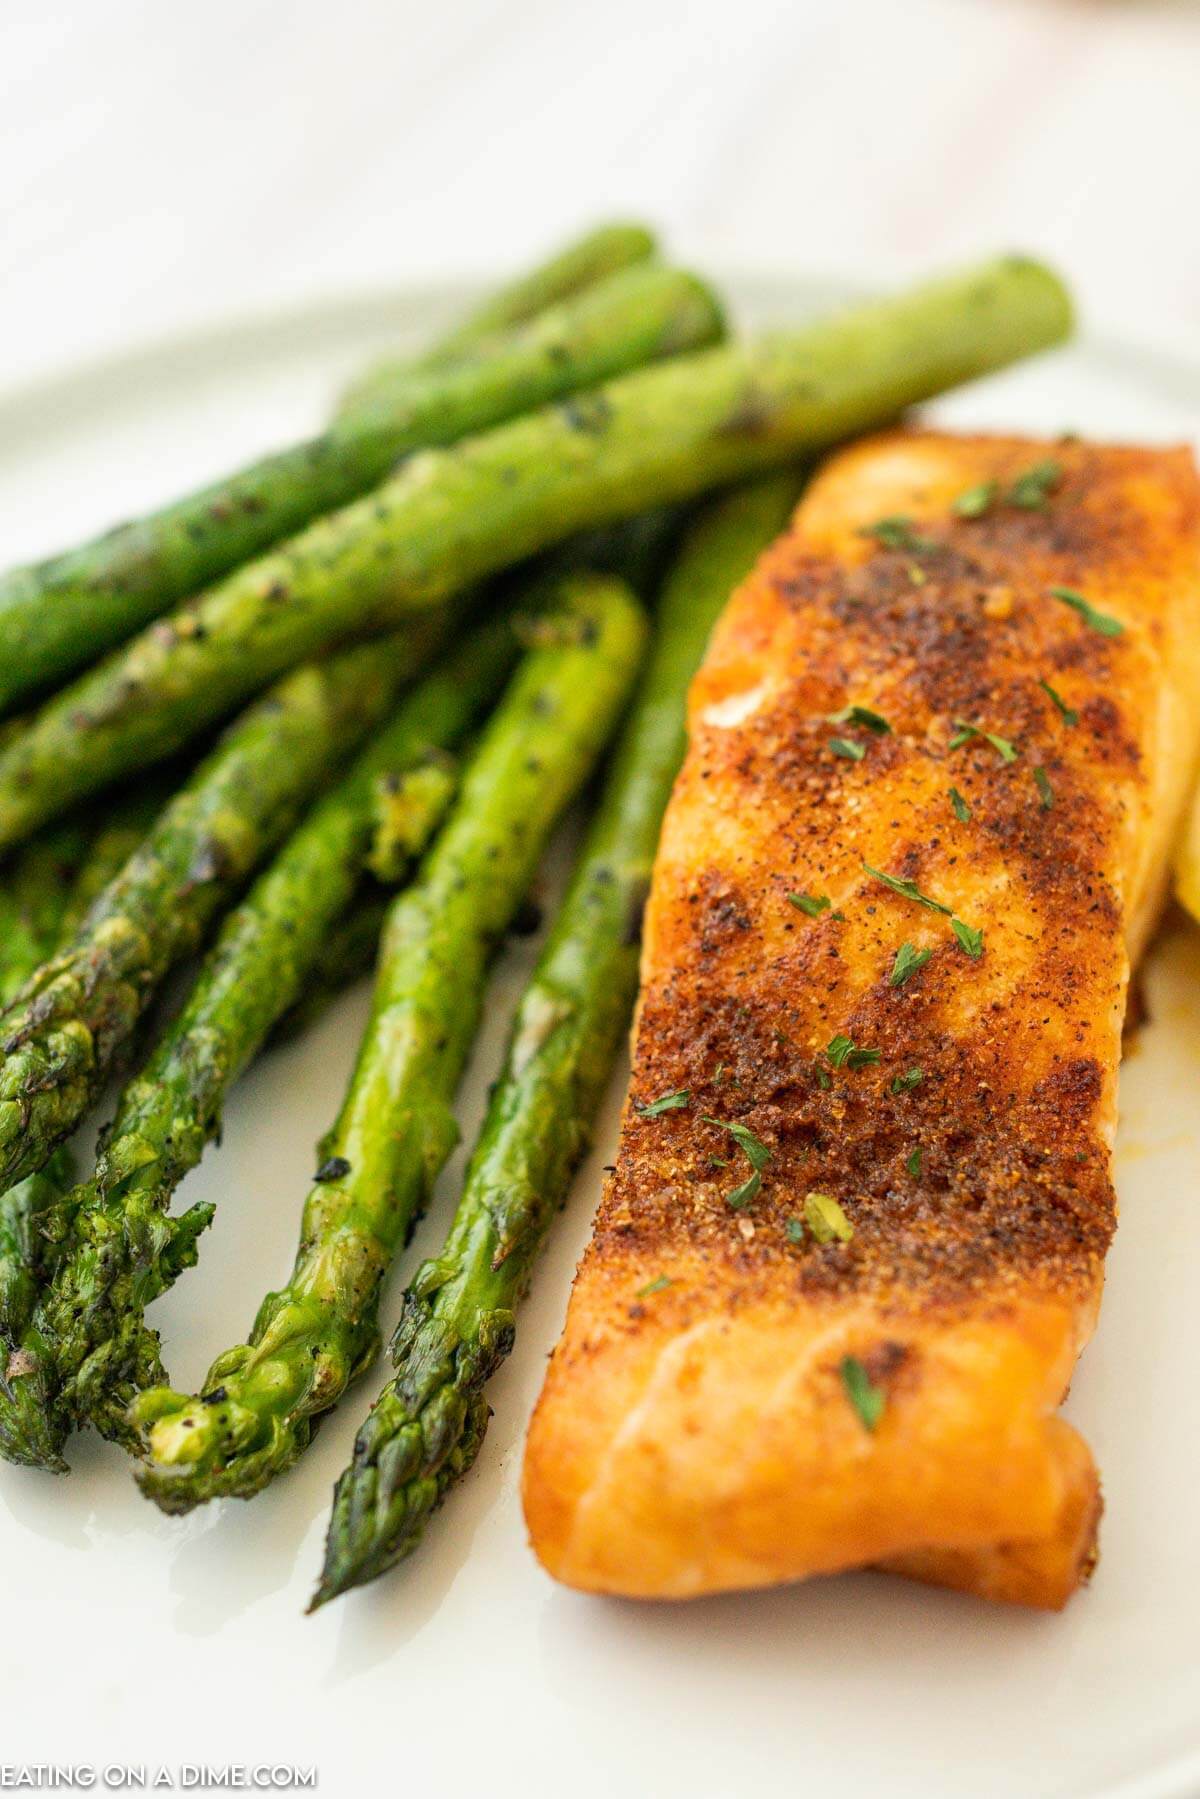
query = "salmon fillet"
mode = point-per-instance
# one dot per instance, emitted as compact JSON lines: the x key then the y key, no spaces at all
{"x":837,"y":1335}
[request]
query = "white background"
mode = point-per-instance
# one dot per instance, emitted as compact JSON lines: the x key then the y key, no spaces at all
{"x":165,"y":165}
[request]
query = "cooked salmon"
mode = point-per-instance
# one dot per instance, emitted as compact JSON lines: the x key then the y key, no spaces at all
{"x":854,"y":1240}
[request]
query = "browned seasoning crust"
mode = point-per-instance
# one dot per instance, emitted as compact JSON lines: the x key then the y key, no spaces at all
{"x":702,"y":1436}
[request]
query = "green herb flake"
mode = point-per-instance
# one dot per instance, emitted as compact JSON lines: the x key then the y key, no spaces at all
{"x":964,"y":731}
{"x":860,"y":715}
{"x":826,"y":1219}
{"x":795,"y":1230}
{"x":867,"y":1399}
{"x":908,"y":961}
{"x":811,"y":903}
{"x":913,"y":1164}
{"x":741,"y":1196}
{"x":970,"y":939}
{"x":752,"y":1147}
{"x":843,"y":1052}
{"x":961,"y":809}
{"x":1041,"y":781}
{"x":755,"y":1152}
{"x":1096,"y":621}
{"x":1031,"y":491}
{"x":847,"y":748}
{"x":1067,"y":713}
{"x":824,"y":1079}
{"x":904,"y":1083}
{"x":668,"y":1102}
{"x":974,"y":502}
{"x":907,"y":890}
{"x":896,"y":533}
{"x":659,"y":1286}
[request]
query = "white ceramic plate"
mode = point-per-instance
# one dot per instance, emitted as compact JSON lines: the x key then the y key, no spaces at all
{"x":132,"y":1639}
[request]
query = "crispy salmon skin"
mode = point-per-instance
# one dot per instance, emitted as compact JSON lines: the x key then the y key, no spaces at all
{"x":923,"y":828}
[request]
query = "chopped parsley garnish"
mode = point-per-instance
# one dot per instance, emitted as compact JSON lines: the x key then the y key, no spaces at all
{"x":755,"y":1152}
{"x":907,"y":962}
{"x":913,"y":1163}
{"x":843,"y":1052}
{"x":667,"y":1102}
{"x":860,"y":715}
{"x":846,"y":746}
{"x":1096,"y":621}
{"x":824,"y":1079}
{"x":1041,"y":781}
{"x":896,"y":533}
{"x":658,"y":1286}
{"x":826,"y":1219}
{"x":962,"y":810}
{"x":904,"y":1083}
{"x":795,"y":1230}
{"x":741,"y":1196}
{"x":906,"y":889}
{"x":1067,"y":713}
{"x":973,"y":502}
{"x":969,"y":937}
{"x":752,"y":1147}
{"x":1032,"y":490}
{"x":867,"y":1399}
{"x":812,"y":903}
{"x":1029,"y":492}
{"x":964,"y":731}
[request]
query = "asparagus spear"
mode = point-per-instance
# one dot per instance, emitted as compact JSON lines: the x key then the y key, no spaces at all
{"x":600,"y":252}
{"x":457,"y":1320}
{"x":569,"y":271}
{"x":57,"y":876}
{"x":86,"y":1342}
{"x":396,"y":1127}
{"x":33,"y":901}
{"x":57,"y":615}
{"x":637,"y":550}
{"x":34,"y":892}
{"x":60,"y":1036}
{"x":349,"y":953}
{"x":125,"y":822}
{"x":27,"y":1253}
{"x":449,"y":516}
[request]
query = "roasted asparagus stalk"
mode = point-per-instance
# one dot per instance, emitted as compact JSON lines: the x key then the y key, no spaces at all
{"x":86,"y":1346}
{"x":62,"y":613}
{"x":60,"y":1036}
{"x":578,"y":265}
{"x":377,"y":1166}
{"x":450,"y":516}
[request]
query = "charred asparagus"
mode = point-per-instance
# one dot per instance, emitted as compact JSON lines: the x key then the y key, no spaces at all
{"x":377,"y":1166}
{"x":449,"y":516}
